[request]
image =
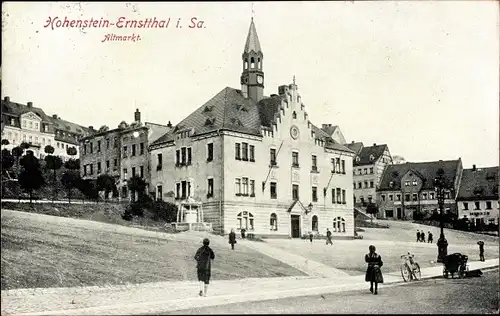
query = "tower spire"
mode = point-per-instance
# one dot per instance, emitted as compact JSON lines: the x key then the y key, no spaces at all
{"x":252,"y":43}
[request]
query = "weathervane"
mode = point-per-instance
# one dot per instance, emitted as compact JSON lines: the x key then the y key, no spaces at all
{"x":253,"y":12}
{"x":293,"y":79}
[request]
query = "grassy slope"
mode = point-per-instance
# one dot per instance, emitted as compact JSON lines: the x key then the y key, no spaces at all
{"x":42,"y":251}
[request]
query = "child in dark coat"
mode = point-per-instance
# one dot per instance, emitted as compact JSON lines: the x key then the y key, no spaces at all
{"x":373,"y":272}
{"x":204,"y":257}
{"x":232,"y":238}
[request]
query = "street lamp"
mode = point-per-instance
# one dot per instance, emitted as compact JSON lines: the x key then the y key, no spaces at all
{"x":310,"y":207}
{"x":439,"y":187}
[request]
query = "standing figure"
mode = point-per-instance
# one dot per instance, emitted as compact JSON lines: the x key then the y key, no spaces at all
{"x":243,"y":230}
{"x":329,"y":237}
{"x":481,"y":250}
{"x":429,"y":237}
{"x":311,"y":236}
{"x":418,"y":235}
{"x":373,"y":272}
{"x":204,"y":257}
{"x":232,"y":238}
{"x":422,"y":236}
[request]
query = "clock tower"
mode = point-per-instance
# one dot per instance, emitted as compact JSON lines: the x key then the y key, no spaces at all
{"x":252,"y":77}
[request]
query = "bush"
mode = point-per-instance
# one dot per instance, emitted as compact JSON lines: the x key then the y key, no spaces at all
{"x":134,"y":209}
{"x":165,"y":211}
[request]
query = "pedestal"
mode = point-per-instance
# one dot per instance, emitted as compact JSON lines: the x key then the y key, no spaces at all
{"x":442,"y":244}
{"x":190,"y":216}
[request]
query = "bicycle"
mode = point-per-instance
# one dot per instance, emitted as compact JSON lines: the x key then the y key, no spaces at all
{"x":410,"y":269}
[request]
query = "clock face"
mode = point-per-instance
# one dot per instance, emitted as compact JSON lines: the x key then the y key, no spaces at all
{"x":294,"y":132}
{"x":260,"y":79}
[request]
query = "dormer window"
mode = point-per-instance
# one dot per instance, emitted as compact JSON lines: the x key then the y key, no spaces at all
{"x":391,"y":184}
{"x":358,"y":159}
{"x":372,"y":158}
{"x":294,"y":115}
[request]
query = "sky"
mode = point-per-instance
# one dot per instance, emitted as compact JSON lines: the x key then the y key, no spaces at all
{"x":421,"y":77}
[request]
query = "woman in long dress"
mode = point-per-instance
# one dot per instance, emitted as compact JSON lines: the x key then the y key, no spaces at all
{"x":373,"y":272}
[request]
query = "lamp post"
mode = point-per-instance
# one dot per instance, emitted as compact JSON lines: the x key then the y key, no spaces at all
{"x":310,"y":207}
{"x":439,"y":187}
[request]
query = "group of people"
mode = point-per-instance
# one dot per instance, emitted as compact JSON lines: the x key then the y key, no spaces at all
{"x":328,"y":237}
{"x":421,"y":236}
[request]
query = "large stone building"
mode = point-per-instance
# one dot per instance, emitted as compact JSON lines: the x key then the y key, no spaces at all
{"x":368,"y":166}
{"x":257,"y":162}
{"x":121,"y":152}
{"x":408,"y":189}
{"x":477,"y":198}
{"x":29,"y":124}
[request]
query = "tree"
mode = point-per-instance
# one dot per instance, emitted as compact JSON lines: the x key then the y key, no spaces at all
{"x":7,"y":160}
{"x":72,"y":164}
{"x":397,"y":159}
{"x":136,"y":185}
{"x":72,"y":151}
{"x":88,"y":188}
{"x":372,"y":209}
{"x":53,"y":163}
{"x":165,"y":210}
{"x":106,"y":183}
{"x":31,"y":177}
{"x":5,"y":142}
{"x":17,"y":152}
{"x":70,"y":180}
{"x":25,"y":145}
{"x":103,"y":128}
{"x":49,"y":150}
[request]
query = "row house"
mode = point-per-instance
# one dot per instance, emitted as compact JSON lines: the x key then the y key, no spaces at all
{"x":257,"y":162}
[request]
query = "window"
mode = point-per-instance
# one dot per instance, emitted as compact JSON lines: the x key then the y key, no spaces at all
{"x":115,"y":142}
{"x":343,"y":197}
{"x":84,"y":170}
{"x":354,"y":185}
{"x":414,"y":183}
{"x":141,"y":148}
{"x":314,"y":223}
{"x":133,"y":171}
{"x":107,"y":165}
{"x":314,"y":163}
{"x":245,"y":220}
{"x":333,"y":165}
{"x":333,"y":196}
{"x":295,"y":159}
{"x":424,"y":196}
{"x":273,"y":222}
{"x":477,"y":205}
{"x":366,"y":184}
{"x":210,"y":188}
{"x":295,"y":191}
{"x":189,"y":157}
{"x":244,"y":151}
{"x":360,"y":185}
{"x":178,"y":190}
{"x":244,"y":183}
{"x":124,"y":151}
{"x":183,"y":156}
{"x":238,"y":186}
{"x":466,"y":206}
{"x":339,"y":197}
{"x":252,"y":153}
{"x":343,"y":166}
{"x":115,"y":164}
{"x":30,"y":124}
{"x":210,"y":152}
{"x":273,"y":190}
{"x":339,"y":225}
{"x":183,"y":189}
{"x":398,"y":197}
{"x":389,"y":213}
{"x":160,"y":162}
{"x":237,"y":155}
{"x":91,"y":169}
{"x":383,"y":197}
{"x":24,"y":123}
{"x":371,"y":170}
{"x":133,"y":150}
{"x":12,"y":121}
{"x":488,"y":205}
{"x":431,"y":195}
{"x":141,"y":171}
{"x":314,"y":194}
{"x":252,"y":187}
{"x":159,"y":193}
{"x":98,"y":146}
{"x":365,"y":170}
{"x":362,"y":200}
{"x":415,"y":196}
{"x":294,"y":115}
{"x":391,"y":197}
{"x":178,"y":157}
{"x":107,"y":143}
{"x":371,"y":184}
{"x":407,"y":197}
{"x":272,"y":154}
{"x":98,"y":167}
{"x":337,"y":165}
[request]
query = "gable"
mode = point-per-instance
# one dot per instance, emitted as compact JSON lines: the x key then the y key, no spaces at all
{"x":31,"y":116}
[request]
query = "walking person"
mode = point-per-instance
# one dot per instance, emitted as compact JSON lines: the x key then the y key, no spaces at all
{"x":232,"y":238}
{"x":373,"y":272}
{"x":429,"y":237}
{"x":481,"y":250}
{"x":311,"y":236}
{"x":204,"y":257}
{"x":418,"y":235}
{"x":329,"y":237}
{"x":422,"y":236}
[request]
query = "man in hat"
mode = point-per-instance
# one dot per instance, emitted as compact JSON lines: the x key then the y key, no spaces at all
{"x":204,"y":257}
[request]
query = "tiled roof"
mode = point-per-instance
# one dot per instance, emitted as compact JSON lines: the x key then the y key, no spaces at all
{"x":329,"y":129}
{"x":356,"y":147}
{"x":480,"y":184}
{"x":364,"y":155}
{"x":252,"y":43}
{"x":427,"y":171}
{"x":230,"y":110}
{"x":18,"y":109}
{"x":70,"y":127}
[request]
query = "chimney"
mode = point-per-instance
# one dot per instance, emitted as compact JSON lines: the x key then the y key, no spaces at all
{"x":473,"y":167}
{"x":91,"y":127}
{"x":54,"y":116}
{"x":30,"y":104}
{"x":374,"y":144}
{"x":352,"y":142}
{"x":6,"y":99}
{"x":169,"y":124}
{"x":137,"y":115}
